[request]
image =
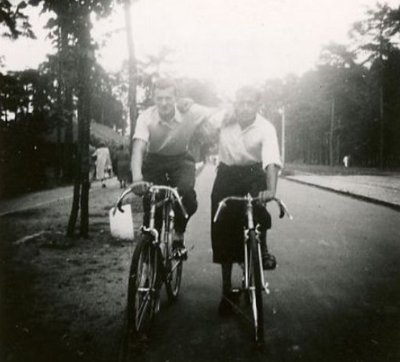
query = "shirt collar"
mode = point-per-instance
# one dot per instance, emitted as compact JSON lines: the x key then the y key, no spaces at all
{"x":254,"y":124}
{"x":177,"y":118}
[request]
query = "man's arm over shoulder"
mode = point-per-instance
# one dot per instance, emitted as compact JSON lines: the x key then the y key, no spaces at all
{"x":270,"y":146}
{"x":209,"y":121}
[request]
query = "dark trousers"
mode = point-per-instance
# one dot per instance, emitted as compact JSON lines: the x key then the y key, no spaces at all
{"x":227,"y":233}
{"x":181,"y":173}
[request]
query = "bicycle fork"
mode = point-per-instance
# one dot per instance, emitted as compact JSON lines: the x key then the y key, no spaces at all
{"x":251,"y":226}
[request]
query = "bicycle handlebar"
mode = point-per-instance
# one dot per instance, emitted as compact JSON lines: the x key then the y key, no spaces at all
{"x":283,"y":210}
{"x":152,"y":189}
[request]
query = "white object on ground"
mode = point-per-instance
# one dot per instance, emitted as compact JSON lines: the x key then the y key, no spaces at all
{"x":121,"y":223}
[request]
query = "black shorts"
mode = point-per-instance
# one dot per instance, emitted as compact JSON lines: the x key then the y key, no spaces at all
{"x":227,"y":232}
{"x":181,"y":171}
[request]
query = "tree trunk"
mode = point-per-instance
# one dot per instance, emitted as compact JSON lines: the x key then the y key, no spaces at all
{"x":60,"y":101}
{"x":132,"y":70}
{"x":84,"y":118}
{"x":58,"y":147}
{"x":338,"y":149}
{"x":69,"y":134}
{"x":81,"y":188}
{"x":66,"y":105}
{"x":283,"y":135}
{"x":75,"y":202}
{"x":381,"y":128}
{"x":331,"y":130}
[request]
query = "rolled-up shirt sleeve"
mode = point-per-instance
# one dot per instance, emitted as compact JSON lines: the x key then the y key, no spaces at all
{"x":209,"y":121}
{"x":270,"y":148}
{"x":142,"y":128}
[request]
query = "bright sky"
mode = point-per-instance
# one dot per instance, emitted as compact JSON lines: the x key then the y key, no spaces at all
{"x":229,"y":42}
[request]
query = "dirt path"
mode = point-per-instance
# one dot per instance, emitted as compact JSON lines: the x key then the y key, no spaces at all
{"x":61,"y":299}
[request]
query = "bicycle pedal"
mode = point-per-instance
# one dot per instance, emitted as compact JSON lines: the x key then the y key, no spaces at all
{"x":183,"y":254}
{"x":180,"y":254}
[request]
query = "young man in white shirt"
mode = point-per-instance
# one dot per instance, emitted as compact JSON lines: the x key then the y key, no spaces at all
{"x":249,"y":162}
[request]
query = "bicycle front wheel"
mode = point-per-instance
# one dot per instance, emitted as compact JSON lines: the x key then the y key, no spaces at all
{"x":141,"y":287}
{"x":173,"y":278}
{"x":256,"y":287}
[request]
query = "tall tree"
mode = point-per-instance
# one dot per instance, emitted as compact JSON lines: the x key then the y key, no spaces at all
{"x":373,"y":35}
{"x":85,"y":50}
{"x":132,"y":69}
{"x":72,"y":25}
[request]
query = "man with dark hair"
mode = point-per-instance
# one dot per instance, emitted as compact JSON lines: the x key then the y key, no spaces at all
{"x":249,"y":163}
{"x":160,"y":147}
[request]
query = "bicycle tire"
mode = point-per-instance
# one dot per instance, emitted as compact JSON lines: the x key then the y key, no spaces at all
{"x":256,"y":292}
{"x":173,"y":278}
{"x":142,"y":280}
{"x":173,"y":268}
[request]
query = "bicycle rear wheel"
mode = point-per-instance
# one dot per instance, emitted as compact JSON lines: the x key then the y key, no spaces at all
{"x":143,"y":275}
{"x":256,"y":288}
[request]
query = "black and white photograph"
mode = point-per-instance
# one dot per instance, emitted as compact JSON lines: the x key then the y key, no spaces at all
{"x":199,"y":180}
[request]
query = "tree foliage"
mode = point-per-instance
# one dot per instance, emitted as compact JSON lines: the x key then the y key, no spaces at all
{"x":13,"y":21}
{"x":349,"y":104}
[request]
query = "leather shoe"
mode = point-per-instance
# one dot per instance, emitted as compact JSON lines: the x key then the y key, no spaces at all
{"x":268,"y":261}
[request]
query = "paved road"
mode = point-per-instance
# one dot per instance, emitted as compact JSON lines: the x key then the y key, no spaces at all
{"x":334,"y":297}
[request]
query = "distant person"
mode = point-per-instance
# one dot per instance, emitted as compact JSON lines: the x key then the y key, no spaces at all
{"x":346,"y":161}
{"x":123,"y":160}
{"x":92,"y":163}
{"x":103,"y":163}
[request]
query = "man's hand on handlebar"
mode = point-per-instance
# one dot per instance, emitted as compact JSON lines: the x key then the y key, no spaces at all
{"x":266,"y":195}
{"x":141,"y":188}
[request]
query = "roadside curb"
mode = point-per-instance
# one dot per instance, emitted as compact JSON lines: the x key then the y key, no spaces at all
{"x":40,"y":204}
{"x":35,"y":206}
{"x":346,"y":193}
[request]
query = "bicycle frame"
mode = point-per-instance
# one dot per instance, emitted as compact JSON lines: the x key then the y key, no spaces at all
{"x":251,"y":226}
{"x":157,"y":269}
{"x":254,"y":281}
{"x":171,"y":194}
{"x":249,"y":200}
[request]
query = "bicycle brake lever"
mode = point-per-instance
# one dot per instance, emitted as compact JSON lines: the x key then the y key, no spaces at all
{"x":283,"y":210}
{"x":221,"y":206}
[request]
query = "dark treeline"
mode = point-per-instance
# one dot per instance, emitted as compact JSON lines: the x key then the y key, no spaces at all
{"x":39,"y":107}
{"x":37,"y":135}
{"x":349,"y":104}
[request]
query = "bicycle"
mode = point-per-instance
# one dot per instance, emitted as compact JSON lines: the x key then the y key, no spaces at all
{"x":253,"y":281}
{"x":154,"y":260}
